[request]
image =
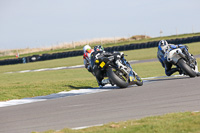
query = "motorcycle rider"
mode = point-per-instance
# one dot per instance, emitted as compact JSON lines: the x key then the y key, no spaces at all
{"x":87,"y":50}
{"x":99,"y":53}
{"x":163,"y":49}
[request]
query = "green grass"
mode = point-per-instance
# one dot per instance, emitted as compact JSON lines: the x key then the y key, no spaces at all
{"x":21,"y":85}
{"x":187,"y":122}
{"x":105,"y":45}
{"x":43,"y":64}
{"x":151,"y":53}
{"x":139,"y":54}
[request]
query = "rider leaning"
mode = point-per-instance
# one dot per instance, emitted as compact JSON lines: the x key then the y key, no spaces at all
{"x":89,"y":58}
{"x":163,"y":49}
{"x":87,"y":50}
{"x":97,"y":54}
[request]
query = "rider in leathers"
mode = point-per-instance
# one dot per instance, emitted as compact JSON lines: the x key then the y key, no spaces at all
{"x":163,"y":48}
{"x":99,"y":53}
{"x":87,"y":51}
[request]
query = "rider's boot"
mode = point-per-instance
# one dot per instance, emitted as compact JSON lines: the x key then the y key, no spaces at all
{"x":99,"y":83}
{"x":171,"y":71}
{"x":179,"y":70}
{"x":105,"y":81}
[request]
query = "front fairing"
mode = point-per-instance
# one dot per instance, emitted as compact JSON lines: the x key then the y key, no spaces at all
{"x":132,"y":79}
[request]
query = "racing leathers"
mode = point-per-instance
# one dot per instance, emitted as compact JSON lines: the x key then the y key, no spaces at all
{"x":87,"y":58}
{"x":162,"y":56}
{"x":96,"y":71}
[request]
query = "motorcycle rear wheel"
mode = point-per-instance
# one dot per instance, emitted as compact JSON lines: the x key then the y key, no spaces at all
{"x":188,"y":70}
{"x":116,"y":79}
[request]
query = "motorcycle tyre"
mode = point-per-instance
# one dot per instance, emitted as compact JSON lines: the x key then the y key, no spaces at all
{"x":116,"y":80}
{"x":188,"y":70}
{"x":139,"y":83}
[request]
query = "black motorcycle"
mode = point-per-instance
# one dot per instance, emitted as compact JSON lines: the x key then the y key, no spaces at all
{"x":118,"y":71}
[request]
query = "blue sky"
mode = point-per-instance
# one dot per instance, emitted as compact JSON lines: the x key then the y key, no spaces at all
{"x":38,"y":23}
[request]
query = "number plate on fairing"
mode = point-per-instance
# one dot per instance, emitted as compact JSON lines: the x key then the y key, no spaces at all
{"x":102,"y":64}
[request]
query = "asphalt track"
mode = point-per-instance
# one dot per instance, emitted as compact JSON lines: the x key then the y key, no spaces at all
{"x":156,"y":97}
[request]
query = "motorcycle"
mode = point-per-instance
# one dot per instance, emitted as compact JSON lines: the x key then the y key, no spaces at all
{"x":186,"y":63}
{"x":118,"y":71}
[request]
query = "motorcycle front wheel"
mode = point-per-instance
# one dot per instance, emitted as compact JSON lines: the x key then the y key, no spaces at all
{"x":139,"y":81}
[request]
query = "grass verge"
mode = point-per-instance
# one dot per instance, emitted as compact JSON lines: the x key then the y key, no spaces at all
{"x":139,"y":54}
{"x":21,"y":85}
{"x":105,"y":45}
{"x":187,"y":122}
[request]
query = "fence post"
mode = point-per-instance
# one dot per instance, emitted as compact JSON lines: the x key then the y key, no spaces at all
{"x":73,"y":44}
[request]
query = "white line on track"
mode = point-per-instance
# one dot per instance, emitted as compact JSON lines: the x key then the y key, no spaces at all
{"x":69,"y":93}
{"x":54,"y":96}
{"x":47,"y":69}
{"x":78,"y":128}
{"x":56,"y":68}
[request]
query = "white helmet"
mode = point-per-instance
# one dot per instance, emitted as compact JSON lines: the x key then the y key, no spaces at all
{"x":86,"y":47}
{"x":163,"y":44}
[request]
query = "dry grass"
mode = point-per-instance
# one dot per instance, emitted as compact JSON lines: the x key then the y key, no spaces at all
{"x":65,"y":45}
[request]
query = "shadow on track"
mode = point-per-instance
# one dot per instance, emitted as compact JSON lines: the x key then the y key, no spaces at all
{"x":76,"y":91}
{"x":90,"y":87}
{"x":165,"y":79}
{"x":79,"y":87}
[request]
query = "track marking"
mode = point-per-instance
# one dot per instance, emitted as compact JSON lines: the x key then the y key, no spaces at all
{"x":71,"y":93}
{"x":47,"y":69}
{"x":160,"y":77}
{"x":56,"y":68}
{"x":56,"y":95}
{"x":78,"y":128}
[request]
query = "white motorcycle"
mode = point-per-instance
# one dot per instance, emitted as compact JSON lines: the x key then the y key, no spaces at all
{"x":187,"y":65}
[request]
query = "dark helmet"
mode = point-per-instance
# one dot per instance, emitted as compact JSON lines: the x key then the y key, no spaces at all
{"x":98,"y":48}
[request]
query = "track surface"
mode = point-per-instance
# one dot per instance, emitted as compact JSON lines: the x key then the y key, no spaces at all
{"x":154,"y":98}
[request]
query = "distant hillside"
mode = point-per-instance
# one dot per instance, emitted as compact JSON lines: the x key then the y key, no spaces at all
{"x":73,"y":46}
